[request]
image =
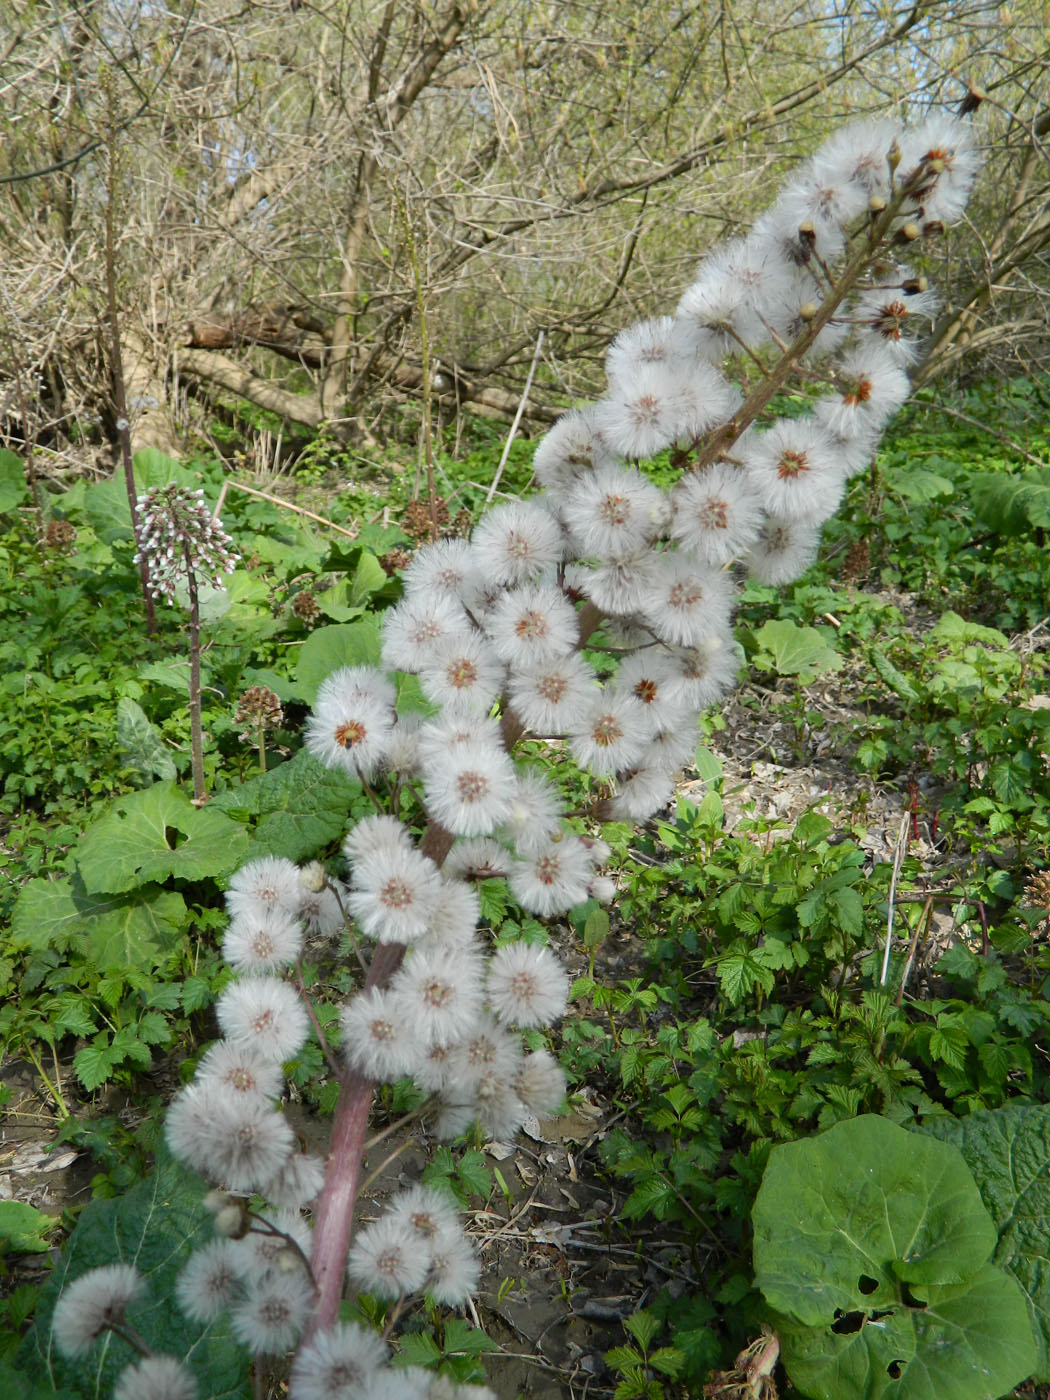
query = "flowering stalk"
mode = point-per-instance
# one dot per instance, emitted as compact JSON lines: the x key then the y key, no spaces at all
{"x":179,"y":540}
{"x":496,"y":629}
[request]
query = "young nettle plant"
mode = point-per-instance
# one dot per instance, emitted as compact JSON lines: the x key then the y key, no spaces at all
{"x":498,"y":629}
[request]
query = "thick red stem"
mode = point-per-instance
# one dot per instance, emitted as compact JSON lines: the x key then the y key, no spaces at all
{"x":334,"y":1216}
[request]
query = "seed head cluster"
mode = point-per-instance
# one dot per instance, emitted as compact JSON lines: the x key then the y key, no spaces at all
{"x":495,"y":629}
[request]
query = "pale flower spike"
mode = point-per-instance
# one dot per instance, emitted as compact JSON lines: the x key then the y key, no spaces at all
{"x":497,"y":629}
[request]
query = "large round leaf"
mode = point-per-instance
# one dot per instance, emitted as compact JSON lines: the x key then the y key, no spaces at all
{"x":874,"y":1252}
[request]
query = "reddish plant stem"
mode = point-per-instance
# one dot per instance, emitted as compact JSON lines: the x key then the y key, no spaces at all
{"x":335,"y":1211}
{"x":333,"y":1223}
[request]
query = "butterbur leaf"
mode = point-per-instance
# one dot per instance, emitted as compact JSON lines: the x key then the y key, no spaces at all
{"x":1008,"y":1151}
{"x":156,"y":833}
{"x":791,"y":650}
{"x":917,"y":484}
{"x":295,"y":809}
{"x":327,"y":649}
{"x":1012,"y":505}
{"x":875,"y":1254}
{"x":108,"y":930}
{"x":155,"y":1226}
{"x":17,"y":1386}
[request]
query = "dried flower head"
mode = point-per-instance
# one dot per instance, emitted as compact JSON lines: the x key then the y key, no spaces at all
{"x":259,"y":708}
{"x":305,"y":607}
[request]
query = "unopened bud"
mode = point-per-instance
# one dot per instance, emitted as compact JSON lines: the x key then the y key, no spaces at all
{"x":914,"y":285}
{"x":808,"y":310}
{"x":313,"y":877}
{"x":893,"y":155}
{"x":288,"y":1261}
{"x":876,"y":204}
{"x":231,"y":1222}
{"x":907,"y":233}
{"x":216,"y":1200}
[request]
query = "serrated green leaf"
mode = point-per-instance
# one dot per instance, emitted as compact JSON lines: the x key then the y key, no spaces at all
{"x":650,"y":1197}
{"x":461,"y":1339}
{"x":154,"y":834}
{"x":624,"y":1358}
{"x":669,"y":1361}
{"x":153,"y":1029}
{"x":297,"y":808}
{"x":419,"y":1349}
{"x":74,"y":1015}
{"x":643,"y":1327}
{"x":196,"y":994}
{"x":472,"y":1169}
{"x":156,"y":1225}
{"x":93,"y":1066}
{"x":143,"y":749}
{"x":23,"y":1228}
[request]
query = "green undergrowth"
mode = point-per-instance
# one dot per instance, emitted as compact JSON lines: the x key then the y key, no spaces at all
{"x":760,"y":1009}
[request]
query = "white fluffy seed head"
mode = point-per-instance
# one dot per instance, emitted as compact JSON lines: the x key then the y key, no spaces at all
{"x":88,"y":1305}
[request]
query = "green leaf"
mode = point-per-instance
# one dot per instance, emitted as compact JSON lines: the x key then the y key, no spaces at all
{"x":155,"y":833}
{"x":1008,"y":1151}
{"x":1012,"y":505}
{"x":669,"y":1361}
{"x":105,"y":503}
{"x":473,"y":1172}
{"x":595,"y":928}
{"x":791,"y":650}
{"x":17,"y":1386}
{"x":329,"y":648}
{"x":111,"y":931}
{"x":156,"y":1226}
{"x":896,"y":680}
{"x":917,"y":484}
{"x":298,"y":807}
{"x":643,"y":1327}
{"x":13,"y":488}
{"x":863,"y":1223}
{"x":93,"y":1065}
{"x":23,"y":1228}
{"x":462,"y":1339}
{"x":144,"y":750}
{"x":419,"y":1349}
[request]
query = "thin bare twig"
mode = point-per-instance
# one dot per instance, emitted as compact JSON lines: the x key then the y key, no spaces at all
{"x":517,"y":420}
{"x":898,"y":858}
